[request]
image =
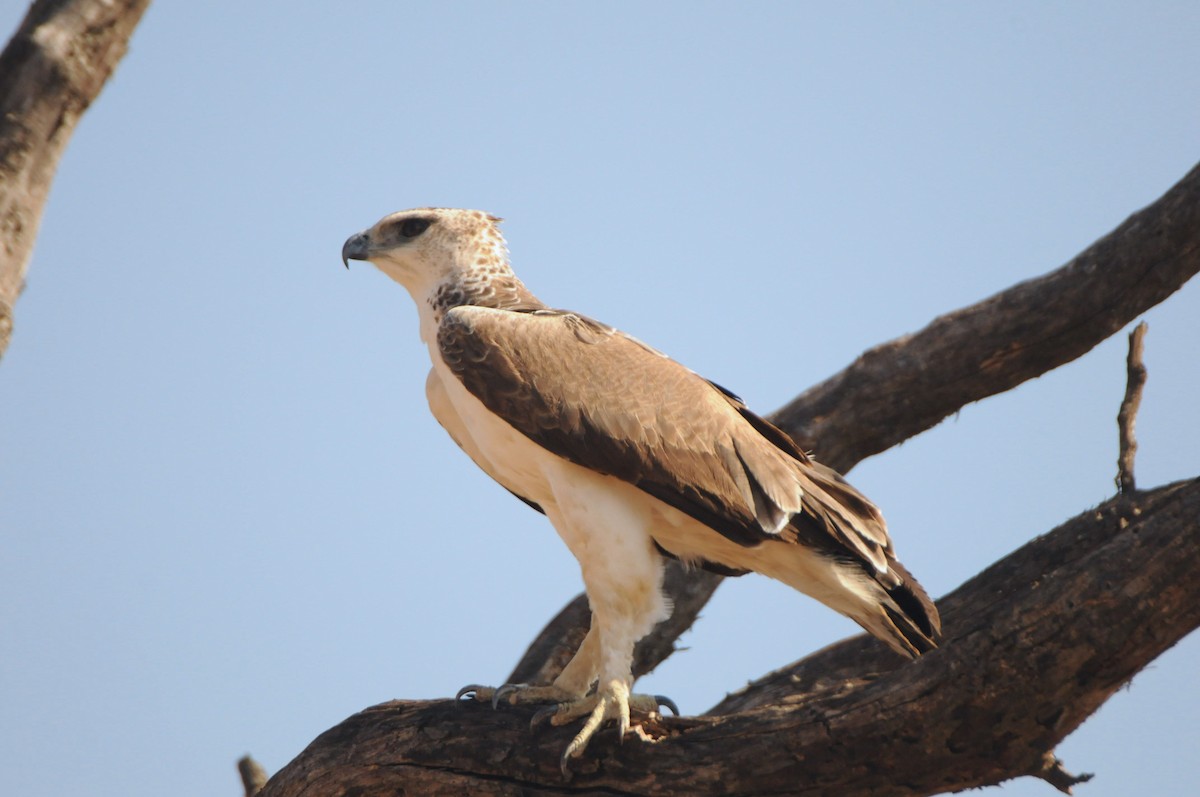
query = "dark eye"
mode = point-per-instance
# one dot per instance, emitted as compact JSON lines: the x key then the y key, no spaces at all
{"x":411,"y":228}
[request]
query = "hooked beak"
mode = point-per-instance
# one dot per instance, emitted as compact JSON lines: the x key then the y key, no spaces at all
{"x":355,"y":248}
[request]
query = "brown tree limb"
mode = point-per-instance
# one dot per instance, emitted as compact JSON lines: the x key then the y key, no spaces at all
{"x":1052,"y":772}
{"x":254,"y":777}
{"x":1135,"y":380}
{"x":901,"y":388}
{"x":52,"y":69}
{"x":906,"y":386}
{"x":1037,"y":642}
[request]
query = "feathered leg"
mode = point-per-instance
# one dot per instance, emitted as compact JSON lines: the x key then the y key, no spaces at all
{"x":622,"y":572}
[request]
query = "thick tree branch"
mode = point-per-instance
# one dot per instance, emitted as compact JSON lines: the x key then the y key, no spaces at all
{"x":1037,"y":642}
{"x":902,"y":388}
{"x":52,"y":69}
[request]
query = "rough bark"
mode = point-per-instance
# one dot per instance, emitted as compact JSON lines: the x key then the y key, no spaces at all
{"x":253,"y":776}
{"x":903,"y":387}
{"x":1135,"y":380}
{"x":1036,"y":643}
{"x":52,"y":69}
{"x":906,"y":386}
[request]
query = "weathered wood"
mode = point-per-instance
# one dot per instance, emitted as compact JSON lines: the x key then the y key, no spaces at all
{"x":254,"y":777}
{"x":904,"y":387}
{"x":1135,"y":380}
{"x":1034,"y":645}
{"x":52,"y":69}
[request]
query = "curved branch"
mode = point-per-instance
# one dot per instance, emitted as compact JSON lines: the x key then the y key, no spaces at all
{"x":906,"y":386}
{"x":901,"y":388}
{"x":52,"y":69}
{"x":1039,"y":641}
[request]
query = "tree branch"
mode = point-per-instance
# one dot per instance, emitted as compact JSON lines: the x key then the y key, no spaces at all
{"x":1053,"y":773}
{"x":1135,"y":380}
{"x":253,"y":776}
{"x":1037,"y":642}
{"x":902,"y":388}
{"x":52,"y":69}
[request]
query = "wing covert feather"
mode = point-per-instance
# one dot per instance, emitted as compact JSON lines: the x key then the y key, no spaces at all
{"x":606,"y":401}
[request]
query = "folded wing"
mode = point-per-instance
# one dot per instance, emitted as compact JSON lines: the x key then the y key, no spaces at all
{"x":608,"y":402}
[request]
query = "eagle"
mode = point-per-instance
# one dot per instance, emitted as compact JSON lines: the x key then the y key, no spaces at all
{"x":633,"y":458}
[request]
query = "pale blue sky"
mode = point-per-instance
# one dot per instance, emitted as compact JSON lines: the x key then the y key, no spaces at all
{"x":227,"y":520}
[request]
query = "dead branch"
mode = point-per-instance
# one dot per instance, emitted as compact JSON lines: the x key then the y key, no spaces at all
{"x":1053,"y":773}
{"x":1037,"y":642}
{"x":254,"y":777}
{"x":1135,"y":380}
{"x":901,"y":388}
{"x":52,"y":69}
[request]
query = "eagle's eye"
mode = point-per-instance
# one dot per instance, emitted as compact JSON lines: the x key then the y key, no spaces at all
{"x":411,"y":228}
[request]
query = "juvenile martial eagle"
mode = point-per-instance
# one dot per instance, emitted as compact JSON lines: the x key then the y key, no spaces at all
{"x":632,"y":457}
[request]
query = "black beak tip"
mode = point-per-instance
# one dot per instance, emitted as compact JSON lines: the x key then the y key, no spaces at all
{"x":355,"y":248}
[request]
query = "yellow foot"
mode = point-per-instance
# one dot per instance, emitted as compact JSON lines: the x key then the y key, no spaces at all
{"x":610,"y":702}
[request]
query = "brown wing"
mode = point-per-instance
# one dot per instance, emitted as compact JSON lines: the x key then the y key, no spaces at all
{"x":604,"y":400}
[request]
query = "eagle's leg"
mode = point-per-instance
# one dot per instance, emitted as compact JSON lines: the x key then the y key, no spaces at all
{"x":615,"y":634}
{"x":622,"y":571}
{"x":604,"y":524}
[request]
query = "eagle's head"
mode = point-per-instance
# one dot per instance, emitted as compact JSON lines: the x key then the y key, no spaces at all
{"x":426,"y":247}
{"x":445,"y":257}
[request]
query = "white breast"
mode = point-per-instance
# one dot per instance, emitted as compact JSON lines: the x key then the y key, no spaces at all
{"x":505,"y":454}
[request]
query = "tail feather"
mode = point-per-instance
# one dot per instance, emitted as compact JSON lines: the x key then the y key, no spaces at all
{"x":842,"y":527}
{"x":909,"y":622}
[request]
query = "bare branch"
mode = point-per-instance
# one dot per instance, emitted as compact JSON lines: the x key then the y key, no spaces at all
{"x":1135,"y":380}
{"x":902,"y":388}
{"x":254,"y":777}
{"x":52,"y":69}
{"x":1053,"y":773}
{"x":1036,"y":643}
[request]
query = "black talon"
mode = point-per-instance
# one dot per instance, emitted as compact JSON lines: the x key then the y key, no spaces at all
{"x":541,"y":715}
{"x":502,"y":692}
{"x":564,"y":764}
{"x":667,"y":702}
{"x":468,"y":690}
